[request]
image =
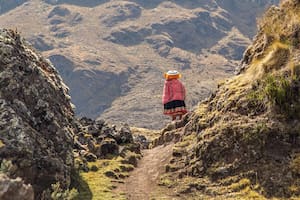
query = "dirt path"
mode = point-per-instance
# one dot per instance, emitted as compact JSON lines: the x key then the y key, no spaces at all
{"x":142,"y":183}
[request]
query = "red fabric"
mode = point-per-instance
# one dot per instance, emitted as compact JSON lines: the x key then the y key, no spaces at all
{"x":175,"y":111}
{"x":173,"y":90}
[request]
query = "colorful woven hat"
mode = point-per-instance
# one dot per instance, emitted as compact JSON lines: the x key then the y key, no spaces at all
{"x":172,"y":74}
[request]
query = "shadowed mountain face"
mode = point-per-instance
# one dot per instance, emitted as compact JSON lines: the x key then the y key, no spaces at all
{"x":112,"y":54}
{"x":8,"y":5}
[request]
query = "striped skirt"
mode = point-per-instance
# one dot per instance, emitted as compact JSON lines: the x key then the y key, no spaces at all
{"x":175,"y":107}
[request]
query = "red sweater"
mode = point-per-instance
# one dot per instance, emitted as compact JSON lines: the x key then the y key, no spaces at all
{"x":173,"y":90}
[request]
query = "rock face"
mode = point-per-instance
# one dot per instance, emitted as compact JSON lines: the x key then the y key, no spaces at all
{"x":36,"y":116}
{"x":14,"y":189}
{"x":112,"y":54}
{"x":244,"y":141}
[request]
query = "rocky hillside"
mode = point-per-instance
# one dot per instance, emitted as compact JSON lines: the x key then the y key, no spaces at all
{"x":112,"y":54}
{"x":44,"y":150}
{"x":36,"y":133}
{"x":244,"y":141}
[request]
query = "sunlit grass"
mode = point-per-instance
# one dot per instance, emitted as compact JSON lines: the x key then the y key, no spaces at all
{"x":100,"y":186}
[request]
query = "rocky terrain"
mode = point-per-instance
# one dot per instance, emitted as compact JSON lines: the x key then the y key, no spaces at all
{"x":243,"y":142}
{"x":112,"y":54}
{"x":36,"y":129}
{"x":43,"y":147}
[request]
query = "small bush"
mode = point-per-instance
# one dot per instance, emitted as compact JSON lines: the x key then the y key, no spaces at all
{"x":277,"y":91}
{"x":256,"y":101}
{"x":284,"y":93}
{"x":59,"y":194}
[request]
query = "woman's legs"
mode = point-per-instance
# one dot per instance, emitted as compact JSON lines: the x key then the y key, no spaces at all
{"x":174,"y":117}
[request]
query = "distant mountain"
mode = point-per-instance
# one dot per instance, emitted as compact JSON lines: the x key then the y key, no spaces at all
{"x":5,"y":5}
{"x":112,"y":54}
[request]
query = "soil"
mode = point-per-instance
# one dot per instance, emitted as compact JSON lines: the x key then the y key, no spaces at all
{"x":142,"y":183}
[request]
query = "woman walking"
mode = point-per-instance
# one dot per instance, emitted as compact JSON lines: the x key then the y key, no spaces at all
{"x":173,"y":95}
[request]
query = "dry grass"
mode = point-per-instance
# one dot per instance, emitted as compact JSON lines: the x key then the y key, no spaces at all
{"x":1,"y":144}
{"x":295,"y":164}
{"x":150,"y":134}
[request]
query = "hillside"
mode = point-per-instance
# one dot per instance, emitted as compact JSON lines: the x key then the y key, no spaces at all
{"x":244,"y":141}
{"x":112,"y":54}
{"x":45,"y":151}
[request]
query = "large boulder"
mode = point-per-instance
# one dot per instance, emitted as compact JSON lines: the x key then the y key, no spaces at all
{"x":35,"y":116}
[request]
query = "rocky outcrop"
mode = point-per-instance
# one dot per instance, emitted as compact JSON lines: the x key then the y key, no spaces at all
{"x":14,"y":189}
{"x":39,"y":136}
{"x":97,"y":139}
{"x":36,"y":130}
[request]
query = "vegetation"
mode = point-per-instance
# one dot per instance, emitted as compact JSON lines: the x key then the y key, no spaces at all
{"x":295,"y":164}
{"x":60,"y":194}
{"x":243,"y":183}
{"x":283,"y":92}
{"x":256,"y":134}
{"x":99,"y":182}
{"x":282,"y":24}
{"x":149,"y":134}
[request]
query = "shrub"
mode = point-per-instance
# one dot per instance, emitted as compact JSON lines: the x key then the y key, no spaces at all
{"x":59,"y":194}
{"x":283,"y":92}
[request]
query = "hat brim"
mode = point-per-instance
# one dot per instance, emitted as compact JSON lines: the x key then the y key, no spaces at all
{"x":175,"y":76}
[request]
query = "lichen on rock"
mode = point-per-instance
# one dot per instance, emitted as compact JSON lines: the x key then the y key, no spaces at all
{"x":36,"y":116}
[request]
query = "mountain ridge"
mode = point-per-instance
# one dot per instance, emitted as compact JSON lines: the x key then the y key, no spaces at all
{"x":159,"y":38}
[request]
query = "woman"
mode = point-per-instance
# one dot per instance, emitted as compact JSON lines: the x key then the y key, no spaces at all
{"x":173,"y":95}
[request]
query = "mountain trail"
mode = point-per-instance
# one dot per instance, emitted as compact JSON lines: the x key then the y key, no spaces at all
{"x":142,"y":183}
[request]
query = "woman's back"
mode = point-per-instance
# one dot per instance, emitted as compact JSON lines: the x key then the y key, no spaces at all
{"x":173,"y":90}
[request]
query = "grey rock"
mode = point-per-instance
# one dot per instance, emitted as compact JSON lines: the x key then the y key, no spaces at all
{"x":14,"y":189}
{"x":36,"y":116}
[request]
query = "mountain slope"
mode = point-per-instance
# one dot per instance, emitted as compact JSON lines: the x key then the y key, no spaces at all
{"x":244,"y":141}
{"x":112,"y":54}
